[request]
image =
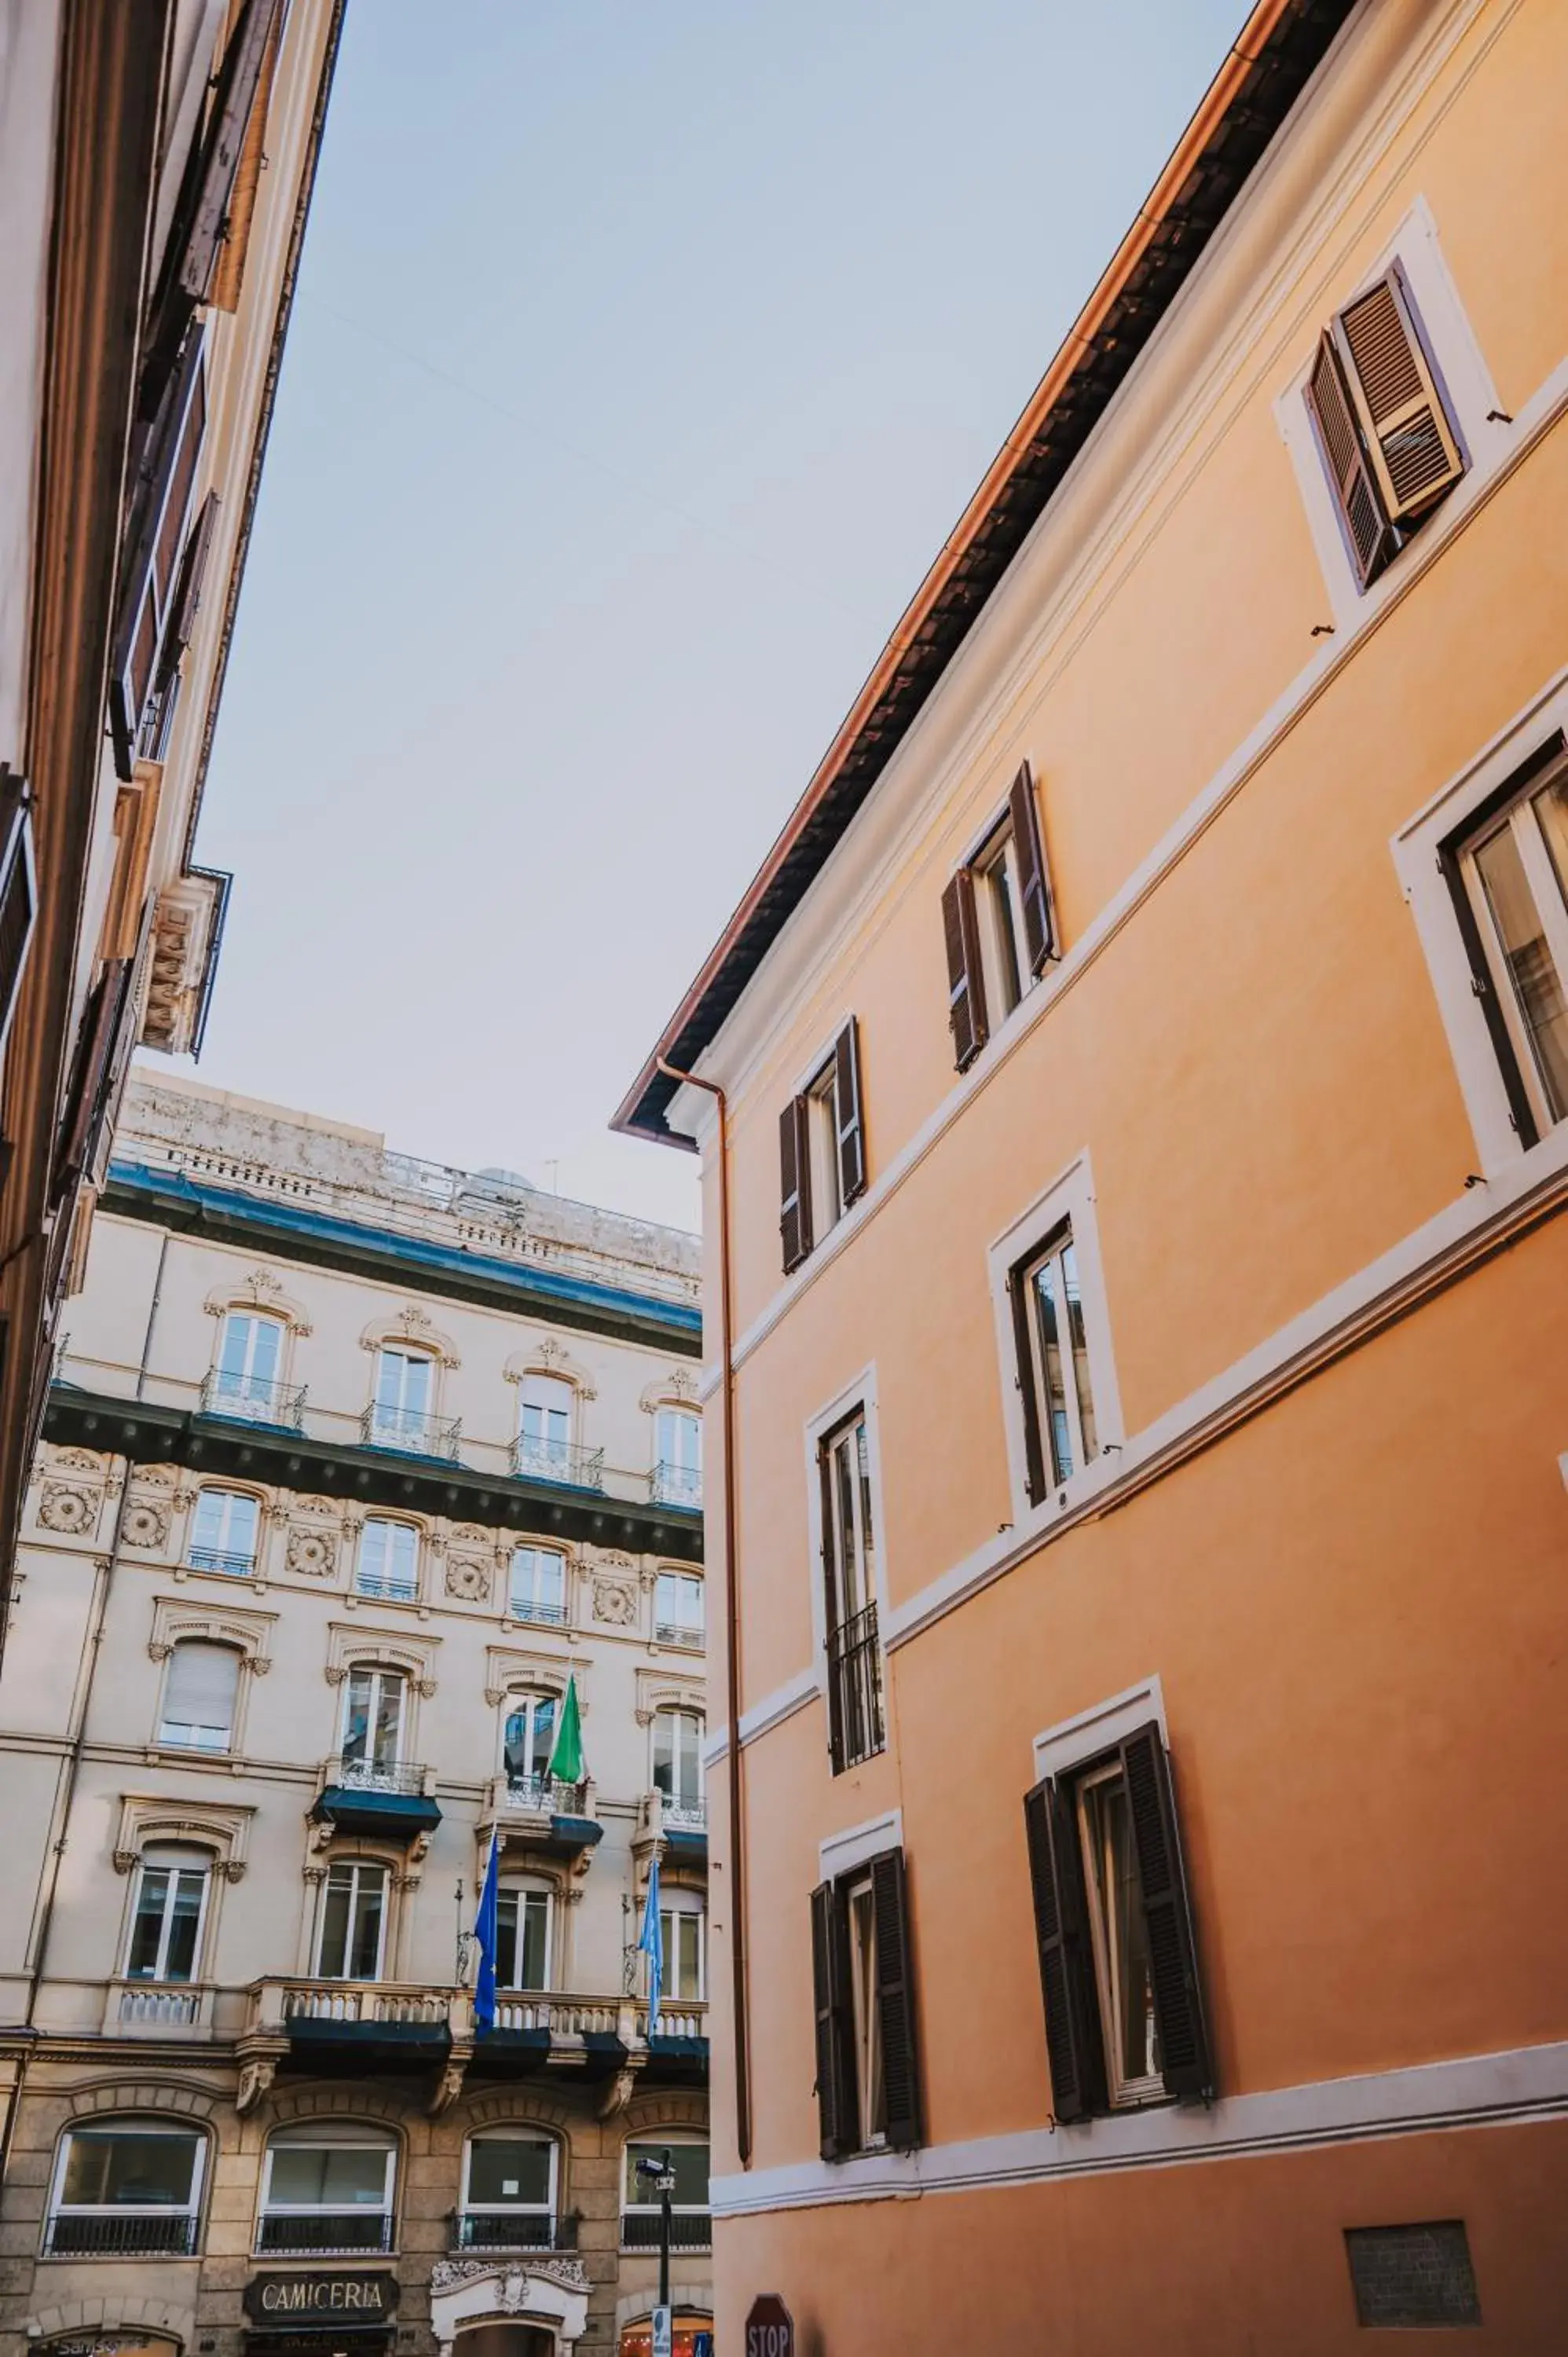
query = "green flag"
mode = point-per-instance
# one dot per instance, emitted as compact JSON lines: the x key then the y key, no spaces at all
{"x":567,"y":1759}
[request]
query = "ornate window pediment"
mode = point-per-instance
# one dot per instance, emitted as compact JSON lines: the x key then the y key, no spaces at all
{"x":262,"y":1293}
{"x":657,"y":1690}
{"x":221,"y":1826}
{"x":349,"y":1646}
{"x":411,"y":1330}
{"x":677,"y":1389}
{"x":509,"y":1669}
{"x":548,"y":1356}
{"x":250,"y":1633}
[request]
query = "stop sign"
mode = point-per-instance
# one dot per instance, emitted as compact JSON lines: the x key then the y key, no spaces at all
{"x":769,"y":2331}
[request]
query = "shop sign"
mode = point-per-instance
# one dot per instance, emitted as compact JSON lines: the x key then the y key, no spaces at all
{"x":769,"y":2330}
{"x":312,"y":2297}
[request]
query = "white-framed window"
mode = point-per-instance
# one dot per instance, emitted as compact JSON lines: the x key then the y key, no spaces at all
{"x":129,"y":2188}
{"x":524,"y":1924}
{"x":865,"y":2018}
{"x":528,"y":1742}
{"x":537,"y":1590}
{"x":169,"y":1913}
{"x":250,"y":1363}
{"x":201,"y":1690}
{"x":327,"y":2188}
{"x":405,"y":1398}
{"x":1513,"y":866}
{"x":1119,"y":1935}
{"x":691,"y":2223}
{"x":1053,"y":1364}
{"x":545,"y":1426}
{"x":353,"y":1936}
{"x":868,"y":2078}
{"x":387,"y":1563}
{"x":679,"y":1608}
{"x":225,"y":1532}
{"x":678,"y":1763}
{"x":682,"y":1928}
{"x":855,"y":1725}
{"x":677,"y":1456}
{"x":510,"y":2190}
{"x":822,"y":1149}
{"x":375,"y":1711}
{"x":1060,"y":1403}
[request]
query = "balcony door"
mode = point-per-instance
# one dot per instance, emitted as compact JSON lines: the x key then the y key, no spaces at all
{"x":373,"y":1725}
{"x":250,"y":1363}
{"x":405,"y":1383}
{"x":545,"y":1429}
{"x":678,"y":1762}
{"x":530,"y":1740}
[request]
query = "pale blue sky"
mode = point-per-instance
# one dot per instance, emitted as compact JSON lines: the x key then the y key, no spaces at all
{"x":643,"y":356}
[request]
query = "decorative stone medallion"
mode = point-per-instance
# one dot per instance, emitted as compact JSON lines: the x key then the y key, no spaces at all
{"x":312,"y":1552}
{"x":66,"y":1509}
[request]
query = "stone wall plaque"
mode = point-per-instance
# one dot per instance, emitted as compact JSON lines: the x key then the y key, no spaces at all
{"x":1412,"y":2275}
{"x":317,"y":2296}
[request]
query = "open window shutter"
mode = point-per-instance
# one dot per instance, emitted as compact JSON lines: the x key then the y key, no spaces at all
{"x":228,"y":277}
{"x":850,"y":1123}
{"x":102,"y":1022}
{"x":966,"y":983}
{"x":239,"y":80}
{"x":156,"y":535}
{"x":186,"y":603}
{"x":1172,"y":1959}
{"x":1034,"y":883}
{"x":1370,"y":534}
{"x":895,"y":2000}
{"x":795,"y":1182}
{"x":1072,"y":2038}
{"x":830,"y":1982}
{"x":1034,"y":1440}
{"x":1414,"y":453}
{"x":18,"y":891}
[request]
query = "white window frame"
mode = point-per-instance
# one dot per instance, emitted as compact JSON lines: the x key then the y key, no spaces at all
{"x":1415,"y":848}
{"x":653,"y":2140}
{"x":1067,"y":1201}
{"x":679,"y":1632}
{"x":860,"y":1393}
{"x":866,"y":2016}
{"x":993,"y":867}
{"x":529,"y":1609}
{"x":243,"y":1400}
{"x":231,"y":1747}
{"x":159,"y":1977}
{"x":1473,"y":400}
{"x":673,"y":1802}
{"x":384,"y":1593}
{"x":377,"y":1672}
{"x":826,"y":1179}
{"x":245,"y":1569}
{"x":546,"y":1443}
{"x":133,"y":2126}
{"x":683,"y":1486}
{"x":675,"y":1900}
{"x":524,"y":1887}
{"x":401,"y":1416}
{"x":527,"y":1699}
{"x":343,"y":2140}
{"x":353,"y":1867}
{"x":513,"y":2132}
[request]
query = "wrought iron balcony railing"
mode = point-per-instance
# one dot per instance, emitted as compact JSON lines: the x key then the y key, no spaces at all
{"x":535,"y":1458}
{"x":689,"y":2230}
{"x":691,"y":1635}
{"x":685,"y":1816}
{"x":546,"y":1610}
{"x":109,"y":2233}
{"x":514,"y":2230}
{"x":323,"y":2231}
{"x":245,"y":1399}
{"x":546,"y":1795}
{"x":387,"y":1587}
{"x":854,"y":1689}
{"x":675,"y":1485}
{"x":361,"y":1775}
{"x":410,"y":1433}
{"x":237,"y":1561}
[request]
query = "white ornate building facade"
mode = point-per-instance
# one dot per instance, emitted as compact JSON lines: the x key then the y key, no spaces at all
{"x":353,"y":1469}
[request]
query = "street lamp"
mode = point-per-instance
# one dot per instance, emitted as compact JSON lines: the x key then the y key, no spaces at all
{"x":660,"y":2175}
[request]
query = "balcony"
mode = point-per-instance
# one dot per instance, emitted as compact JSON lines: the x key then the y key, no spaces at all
{"x":158,"y":2009}
{"x":692,"y":1636}
{"x":325,"y":2232}
{"x":245,"y":1399}
{"x":676,"y":1485}
{"x":546,"y":1813}
{"x":679,"y":1826}
{"x":689,"y":2230}
{"x":543,"y":1611}
{"x":535,"y":1458}
{"x":374,"y":1796}
{"x":409,"y":1432}
{"x":854,"y":1689}
{"x":237,"y":1565}
{"x":379,"y":2025}
{"x":514,"y":2230}
{"x":120,"y":2233}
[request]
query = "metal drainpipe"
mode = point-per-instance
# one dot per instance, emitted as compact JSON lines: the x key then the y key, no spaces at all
{"x":732,"y":1635}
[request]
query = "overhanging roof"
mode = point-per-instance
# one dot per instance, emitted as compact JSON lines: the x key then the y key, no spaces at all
{"x":1274,"y":57}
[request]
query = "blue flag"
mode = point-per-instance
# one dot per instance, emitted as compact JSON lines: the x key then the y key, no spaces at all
{"x":651,"y":1945}
{"x":486,"y":1929}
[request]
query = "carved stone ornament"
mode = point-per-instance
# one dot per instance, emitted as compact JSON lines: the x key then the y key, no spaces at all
{"x":313,"y":1553}
{"x":77,"y":1460}
{"x":66,"y":1509}
{"x":511,"y":2292}
{"x":255,"y":2080}
{"x":615,"y":1602}
{"x":448,"y":2087}
{"x":469,"y":1579}
{"x":313,"y":1505}
{"x":146,"y":1523}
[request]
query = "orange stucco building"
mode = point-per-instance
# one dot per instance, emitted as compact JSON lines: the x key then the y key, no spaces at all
{"x":1136,"y":1181}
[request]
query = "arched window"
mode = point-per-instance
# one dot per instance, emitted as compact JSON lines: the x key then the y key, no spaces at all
{"x":352,"y":1935}
{"x":691,"y":2225}
{"x":678,"y":1765}
{"x":374,"y":1719}
{"x":524,"y":1923}
{"x":130,"y":2186}
{"x":538,"y":1590}
{"x":170,"y":1911}
{"x":530,"y":1740}
{"x":202,"y":1687}
{"x":510,"y":2190}
{"x":329,"y":2186}
{"x":677,"y":1610}
{"x":682,"y":1931}
{"x":225,"y":1531}
{"x":247,"y":1377}
{"x":387,"y":1564}
{"x":402,"y":1410}
{"x":544,"y":1427}
{"x":677,"y":1456}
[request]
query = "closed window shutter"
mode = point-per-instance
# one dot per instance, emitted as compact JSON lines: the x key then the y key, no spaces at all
{"x":1172,"y":1959}
{"x":18,"y":892}
{"x":1033,"y":1444}
{"x":1034,"y":879}
{"x":850,"y":1122}
{"x":157,"y":536}
{"x":186,"y":601}
{"x":102,"y":1024}
{"x":1072,"y":2038}
{"x":1369,"y":534}
{"x":795,"y":1182}
{"x":966,"y":985}
{"x":830,"y":1982}
{"x":895,"y":2000}
{"x":1414,"y":453}
{"x":202,"y":1680}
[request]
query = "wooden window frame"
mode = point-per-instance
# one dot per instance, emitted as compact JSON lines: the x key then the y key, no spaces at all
{"x":1513,"y":811}
{"x":865,"y":2033}
{"x":999,"y":921}
{"x":822,"y":1147}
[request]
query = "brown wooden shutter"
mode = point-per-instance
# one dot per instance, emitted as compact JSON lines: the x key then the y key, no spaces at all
{"x":851,"y":1121}
{"x":1172,"y":1959}
{"x":1061,"y":1934}
{"x":830,"y":1982}
{"x":1414,"y":452}
{"x":795,"y":1181}
{"x":1028,"y":1389}
{"x":91,"y":1066}
{"x":18,"y":891}
{"x":239,"y":82}
{"x":966,"y":982}
{"x":1369,"y":534}
{"x":229,"y":277}
{"x":1033,"y":881}
{"x":156,"y":534}
{"x":186,"y":603}
{"x":895,"y":2000}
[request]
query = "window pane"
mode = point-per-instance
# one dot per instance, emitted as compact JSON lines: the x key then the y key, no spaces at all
{"x":357,"y":1727}
{"x":124,"y":2167}
{"x":506,"y":1939}
{"x":1048,"y":1327}
{"x":327,"y":2176}
{"x":1079,"y":1353}
{"x":689,"y":2165}
{"x":184,"y":1915}
{"x":146,"y":1932}
{"x":1538,"y":985}
{"x":334,"y":1927}
{"x":365,"y":1959}
{"x":535,"y":1974}
{"x":388,"y":1718}
{"x":1128,"y":1997}
{"x":508,"y":2169}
